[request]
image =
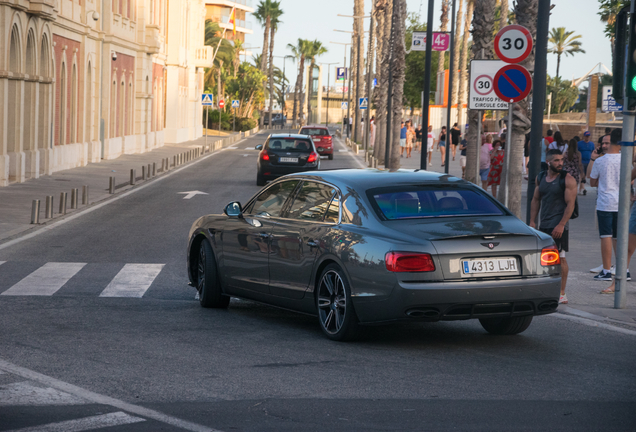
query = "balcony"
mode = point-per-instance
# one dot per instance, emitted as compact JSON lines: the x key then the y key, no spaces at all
{"x":203,"y":57}
{"x":246,"y":5}
{"x":45,"y":9}
{"x":153,"y":39}
{"x":242,"y":24}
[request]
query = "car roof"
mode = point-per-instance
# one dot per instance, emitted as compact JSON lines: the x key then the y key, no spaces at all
{"x":363,"y":179}
{"x":299,"y":136}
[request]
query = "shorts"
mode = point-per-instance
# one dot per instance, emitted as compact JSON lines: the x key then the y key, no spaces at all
{"x":442,"y":143}
{"x":462,"y":161}
{"x":585,"y":165}
{"x":563,"y":243}
{"x":632,"y":220}
{"x":430,"y":148}
{"x":402,"y":142}
{"x":483,"y":173}
{"x":607,"y":224}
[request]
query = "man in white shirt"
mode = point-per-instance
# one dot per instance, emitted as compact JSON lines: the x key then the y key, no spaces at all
{"x":430,"y":143}
{"x":604,"y":173}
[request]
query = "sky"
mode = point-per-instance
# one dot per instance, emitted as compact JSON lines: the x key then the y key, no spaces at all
{"x":317,"y":19}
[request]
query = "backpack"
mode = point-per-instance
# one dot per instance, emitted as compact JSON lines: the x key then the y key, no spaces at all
{"x":562,"y":176}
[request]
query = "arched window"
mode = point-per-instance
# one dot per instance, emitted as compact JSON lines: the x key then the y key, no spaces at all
{"x":63,"y":101}
{"x":113,"y":109}
{"x":122,"y":108}
{"x":73,"y":135}
{"x":88,"y":122}
{"x":30,"y":54}
{"x":130,"y":115}
{"x":14,"y":99}
{"x":29,"y":126}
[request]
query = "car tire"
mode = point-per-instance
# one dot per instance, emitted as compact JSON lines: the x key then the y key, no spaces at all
{"x":506,"y":326}
{"x":260,"y":180}
{"x":336,"y":315}
{"x":330,"y":157}
{"x":208,"y":284}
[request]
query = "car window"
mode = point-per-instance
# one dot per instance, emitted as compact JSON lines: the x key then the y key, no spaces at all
{"x":272,"y":200}
{"x":311,"y":202}
{"x":314,"y":131}
{"x":424,"y":201}
{"x":333,"y":210}
{"x":289,"y":144}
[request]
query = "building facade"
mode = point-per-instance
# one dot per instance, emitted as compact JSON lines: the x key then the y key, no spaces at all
{"x":86,"y":80}
{"x":219,"y":11}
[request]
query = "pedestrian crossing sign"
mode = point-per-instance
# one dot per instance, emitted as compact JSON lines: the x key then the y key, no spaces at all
{"x":364,"y":103}
{"x":207,"y":99}
{"x":235,"y":104}
{"x":344,"y":105}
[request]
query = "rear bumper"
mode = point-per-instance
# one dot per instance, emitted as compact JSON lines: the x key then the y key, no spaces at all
{"x":447,"y":301}
{"x":271,"y":171}
{"x":324,"y":150}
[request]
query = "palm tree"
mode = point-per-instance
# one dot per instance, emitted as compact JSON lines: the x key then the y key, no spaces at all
{"x":276,"y":13}
{"x":383,"y":10}
{"x":564,"y":42}
{"x":263,"y":15}
{"x":358,"y":54}
{"x":455,"y":65}
{"x":300,"y":52}
{"x":399,"y":67}
{"x":483,"y":22}
{"x":463,"y":62}
{"x":443,"y":27}
{"x":225,"y":52}
{"x":316,"y":48}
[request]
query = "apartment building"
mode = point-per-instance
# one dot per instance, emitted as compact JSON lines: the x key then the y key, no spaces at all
{"x":220,"y":10}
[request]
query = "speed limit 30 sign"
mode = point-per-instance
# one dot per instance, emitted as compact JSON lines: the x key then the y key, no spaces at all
{"x":481,"y":95}
{"x":513,"y":43}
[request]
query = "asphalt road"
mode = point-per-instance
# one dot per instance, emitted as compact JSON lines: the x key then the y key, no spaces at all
{"x":161,"y":362}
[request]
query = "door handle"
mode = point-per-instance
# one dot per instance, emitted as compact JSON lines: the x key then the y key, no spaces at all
{"x":312,"y":243}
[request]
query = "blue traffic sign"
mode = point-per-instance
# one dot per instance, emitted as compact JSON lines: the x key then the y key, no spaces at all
{"x":512,"y":83}
{"x":207,"y":99}
{"x":375,"y":82}
{"x":341,"y":74}
{"x":344,"y":105}
{"x":364,"y":103}
{"x":235,"y":103}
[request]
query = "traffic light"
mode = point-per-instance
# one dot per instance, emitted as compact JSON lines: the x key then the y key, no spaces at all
{"x":630,"y":63}
{"x":620,"y":50}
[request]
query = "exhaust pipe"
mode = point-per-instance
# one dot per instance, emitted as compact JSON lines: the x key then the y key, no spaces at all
{"x":548,"y":306}
{"x":423,"y":313}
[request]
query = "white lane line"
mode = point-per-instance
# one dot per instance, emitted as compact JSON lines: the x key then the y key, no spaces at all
{"x":592,"y":323}
{"x":27,"y":394}
{"x":46,"y":280}
{"x":101,"y":399}
{"x":250,"y":148}
{"x":84,"y":424}
{"x":344,"y":151}
{"x":358,"y":161}
{"x":2,"y":262}
{"x":132,"y":281}
{"x":232,"y":148}
{"x":108,"y":201}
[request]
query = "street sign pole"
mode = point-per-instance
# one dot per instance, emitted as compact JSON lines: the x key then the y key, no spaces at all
{"x":234,"y":121}
{"x":507,"y":153}
{"x":427,"y":82}
{"x":478,"y":152}
{"x":207,"y":114}
{"x":450,"y":88}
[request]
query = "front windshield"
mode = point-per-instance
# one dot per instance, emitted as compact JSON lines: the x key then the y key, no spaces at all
{"x":289,"y":145}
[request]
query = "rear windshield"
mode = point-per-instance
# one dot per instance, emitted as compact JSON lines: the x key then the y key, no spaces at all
{"x":314,"y":131}
{"x":289,"y":144}
{"x":409,"y":202}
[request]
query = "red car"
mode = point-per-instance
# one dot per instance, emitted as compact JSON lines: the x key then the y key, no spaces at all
{"x":322,"y":139}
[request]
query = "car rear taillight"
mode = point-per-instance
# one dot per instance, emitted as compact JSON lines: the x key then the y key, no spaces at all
{"x":550,"y":256}
{"x":264,"y":156}
{"x":409,"y":262}
{"x":312,"y":157}
{"x":327,"y":139}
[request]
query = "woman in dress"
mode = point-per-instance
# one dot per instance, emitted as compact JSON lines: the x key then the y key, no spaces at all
{"x":441,"y":145}
{"x":573,"y":161}
{"x":496,"y":165}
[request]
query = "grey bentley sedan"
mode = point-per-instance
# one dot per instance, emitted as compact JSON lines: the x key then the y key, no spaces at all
{"x":357,"y":247}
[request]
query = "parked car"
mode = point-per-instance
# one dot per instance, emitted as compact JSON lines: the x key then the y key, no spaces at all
{"x":285,"y":154}
{"x":322,"y":139}
{"x":357,"y":247}
{"x":278,"y":119}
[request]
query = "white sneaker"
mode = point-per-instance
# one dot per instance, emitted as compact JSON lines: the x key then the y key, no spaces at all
{"x":613,"y":270}
{"x":599,"y":268}
{"x":563,"y":299}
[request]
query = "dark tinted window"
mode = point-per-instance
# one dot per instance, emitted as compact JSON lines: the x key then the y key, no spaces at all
{"x":314,"y":131}
{"x":311,"y":202}
{"x":423,"y":202}
{"x":289,"y":144}
{"x":271,"y":201}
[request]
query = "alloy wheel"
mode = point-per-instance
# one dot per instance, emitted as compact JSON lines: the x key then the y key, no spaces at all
{"x":332,"y":302}
{"x":201,"y":270}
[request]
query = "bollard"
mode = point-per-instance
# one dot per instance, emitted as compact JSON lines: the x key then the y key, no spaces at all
{"x":371,"y":158}
{"x":133,"y":176}
{"x":143,"y":172}
{"x":174,"y":160}
{"x":366,"y":156}
{"x":148,"y":171}
{"x":154,"y":169}
{"x":85,"y":195}
{"x":35,"y":212}
{"x":63,"y":197}
{"x":111,"y":185}
{"x":48,"y":211}
{"x":74,"y":198}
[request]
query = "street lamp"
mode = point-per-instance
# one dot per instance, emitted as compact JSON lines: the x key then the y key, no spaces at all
{"x":328,"y":86}
{"x":344,"y":81}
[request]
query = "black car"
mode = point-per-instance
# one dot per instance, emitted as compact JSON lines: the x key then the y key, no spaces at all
{"x":285,"y":154}
{"x":357,"y":247}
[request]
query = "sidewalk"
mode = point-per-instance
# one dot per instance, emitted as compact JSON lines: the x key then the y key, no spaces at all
{"x":16,"y":199}
{"x":583,"y":291}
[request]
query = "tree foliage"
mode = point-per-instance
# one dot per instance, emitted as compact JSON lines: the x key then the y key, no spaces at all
{"x":564,"y":95}
{"x":608,"y":9}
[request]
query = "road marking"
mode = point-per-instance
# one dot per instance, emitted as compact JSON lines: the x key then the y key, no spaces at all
{"x":358,"y":161}
{"x":2,"y":262}
{"x":250,"y":148}
{"x":46,"y":280}
{"x":87,"y":423}
{"x":190,"y":194}
{"x":232,"y":148}
{"x":27,"y":394}
{"x":591,"y":323}
{"x":108,"y":201}
{"x":132,"y":281}
{"x":101,"y":399}
{"x":344,"y":151}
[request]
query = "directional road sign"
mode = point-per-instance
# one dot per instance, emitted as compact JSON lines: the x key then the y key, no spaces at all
{"x":344,"y":105}
{"x":609,"y":103}
{"x":481,"y":94}
{"x":364,"y":103}
{"x":512,"y":83}
{"x":341,"y":74}
{"x":513,"y":43}
{"x":441,"y":41}
{"x":221,"y":103}
{"x":207,"y":99}
{"x":236,"y":104}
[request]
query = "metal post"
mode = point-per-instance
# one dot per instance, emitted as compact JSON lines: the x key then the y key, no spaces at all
{"x":207,"y":114}
{"x":143,"y":172}
{"x":367,"y":128}
{"x":328,"y":88}
{"x":148,"y":171}
{"x":133,"y":176}
{"x":49,"y":207}
{"x":63,"y":197}
{"x":111,"y":185}
{"x":154,"y":169}
{"x":344,"y":81}
{"x":478,"y":152}
{"x":451,"y":71}
{"x":507,"y":151}
{"x":35,"y":211}
{"x":349,"y":126}
{"x":538,"y":99}
{"x":74,"y":198}
{"x":427,"y":83}
{"x":85,"y":195}
{"x":389,"y":104}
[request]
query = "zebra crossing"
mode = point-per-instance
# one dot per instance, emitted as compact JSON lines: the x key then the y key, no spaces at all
{"x":60,"y":278}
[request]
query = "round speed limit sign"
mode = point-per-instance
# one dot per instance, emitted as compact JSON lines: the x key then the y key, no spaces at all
{"x":483,"y":85}
{"x":513,"y":43}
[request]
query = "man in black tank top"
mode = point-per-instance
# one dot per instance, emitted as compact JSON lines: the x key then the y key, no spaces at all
{"x":556,"y":206}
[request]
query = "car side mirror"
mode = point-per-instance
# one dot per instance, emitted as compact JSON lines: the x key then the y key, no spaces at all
{"x":259,"y":147}
{"x":233,"y":209}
